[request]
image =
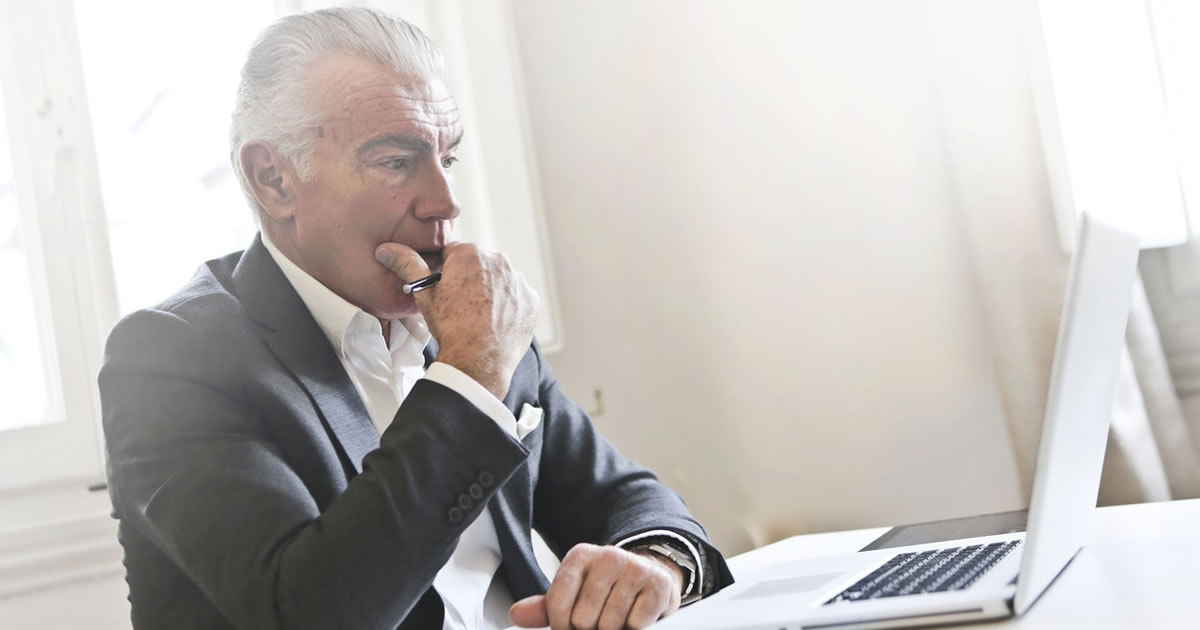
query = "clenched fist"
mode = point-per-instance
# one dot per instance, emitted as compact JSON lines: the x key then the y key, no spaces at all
{"x":604,"y":588}
{"x":482,"y":312}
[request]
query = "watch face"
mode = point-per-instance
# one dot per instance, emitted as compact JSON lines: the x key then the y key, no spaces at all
{"x":683,"y":559}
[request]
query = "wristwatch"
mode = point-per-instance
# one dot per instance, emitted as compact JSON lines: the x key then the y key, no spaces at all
{"x":674,"y":552}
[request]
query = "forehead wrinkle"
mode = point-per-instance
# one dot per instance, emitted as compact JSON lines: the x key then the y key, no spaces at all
{"x":444,"y":99}
{"x":380,"y":106}
{"x":374,"y":102}
{"x":419,"y":126}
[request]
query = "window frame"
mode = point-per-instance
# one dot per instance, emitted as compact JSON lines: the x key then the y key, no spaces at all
{"x":58,"y":193}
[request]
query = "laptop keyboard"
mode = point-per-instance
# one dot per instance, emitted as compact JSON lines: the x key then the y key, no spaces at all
{"x":933,"y":571}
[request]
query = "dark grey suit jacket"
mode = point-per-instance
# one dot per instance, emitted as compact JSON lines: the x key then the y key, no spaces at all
{"x":253,"y":491}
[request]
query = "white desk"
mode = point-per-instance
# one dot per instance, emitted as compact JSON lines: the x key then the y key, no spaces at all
{"x":1139,"y":569}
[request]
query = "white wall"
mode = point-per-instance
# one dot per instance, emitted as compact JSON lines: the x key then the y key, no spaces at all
{"x":764,"y":256}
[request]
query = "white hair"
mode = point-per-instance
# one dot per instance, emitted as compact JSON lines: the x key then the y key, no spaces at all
{"x":274,"y":100}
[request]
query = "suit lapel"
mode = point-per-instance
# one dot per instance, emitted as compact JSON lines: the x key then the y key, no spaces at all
{"x":295,"y":338}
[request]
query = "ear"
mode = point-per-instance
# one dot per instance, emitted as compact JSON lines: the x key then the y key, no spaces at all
{"x":272,"y":179}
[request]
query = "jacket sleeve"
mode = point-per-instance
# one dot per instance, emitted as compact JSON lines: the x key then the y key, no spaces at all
{"x":588,"y":492}
{"x":192,"y":468}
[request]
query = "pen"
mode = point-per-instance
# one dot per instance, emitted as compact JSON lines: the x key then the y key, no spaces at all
{"x":424,"y":283}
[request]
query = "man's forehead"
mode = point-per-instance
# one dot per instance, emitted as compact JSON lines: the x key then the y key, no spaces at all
{"x":355,"y":89}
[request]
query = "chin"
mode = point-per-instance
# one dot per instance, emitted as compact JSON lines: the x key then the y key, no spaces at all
{"x":400,"y":305}
{"x":391,"y":302}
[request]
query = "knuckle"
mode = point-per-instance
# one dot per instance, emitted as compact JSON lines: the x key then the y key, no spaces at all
{"x":632,"y":569}
{"x":571,"y":570}
{"x":593,"y":591}
{"x":558,"y":607}
{"x":645,"y":579}
{"x":463,"y":252}
{"x":577,"y":553}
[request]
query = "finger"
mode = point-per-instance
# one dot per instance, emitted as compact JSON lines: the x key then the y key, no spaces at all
{"x":605,"y":567}
{"x":450,"y":246}
{"x":459,"y":249}
{"x":667,"y":577}
{"x":560,"y":597}
{"x":530,"y":612}
{"x":403,"y":260}
{"x":651,"y":604}
{"x":617,"y":608}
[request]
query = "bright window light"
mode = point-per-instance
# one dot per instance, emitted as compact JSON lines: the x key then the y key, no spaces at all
{"x":161,"y":100}
{"x":1176,"y":24}
{"x":22,"y":365}
{"x":1109,"y":140}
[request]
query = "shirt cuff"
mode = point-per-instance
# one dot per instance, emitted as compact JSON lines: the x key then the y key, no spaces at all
{"x":467,"y":387}
{"x":694,"y":593}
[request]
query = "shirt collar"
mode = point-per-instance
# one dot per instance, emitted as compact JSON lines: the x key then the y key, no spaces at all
{"x":338,"y":318}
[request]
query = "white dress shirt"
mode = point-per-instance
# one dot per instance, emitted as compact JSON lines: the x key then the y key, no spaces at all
{"x":383,"y":374}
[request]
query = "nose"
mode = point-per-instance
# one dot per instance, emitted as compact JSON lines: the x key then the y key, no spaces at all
{"x":436,"y":200}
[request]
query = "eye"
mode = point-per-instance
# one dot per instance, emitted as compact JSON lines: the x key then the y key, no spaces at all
{"x":395,"y":164}
{"x":448,"y":161}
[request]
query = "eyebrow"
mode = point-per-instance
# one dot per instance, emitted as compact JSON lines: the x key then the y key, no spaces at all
{"x":404,"y":143}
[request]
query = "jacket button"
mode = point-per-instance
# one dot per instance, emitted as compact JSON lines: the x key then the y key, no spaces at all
{"x":464,"y":502}
{"x":486,"y":479}
{"x":475,"y":491}
{"x":455,"y":516}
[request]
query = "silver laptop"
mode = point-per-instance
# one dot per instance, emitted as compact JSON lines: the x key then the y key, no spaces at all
{"x":975,"y":578}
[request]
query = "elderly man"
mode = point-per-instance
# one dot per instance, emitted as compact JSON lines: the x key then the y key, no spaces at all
{"x":295,"y":442}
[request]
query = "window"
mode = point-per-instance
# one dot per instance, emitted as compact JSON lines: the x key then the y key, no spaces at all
{"x":1175,"y":24}
{"x":161,"y":123}
{"x":54,"y":261}
{"x":1105,"y":128}
{"x":24,"y":372}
